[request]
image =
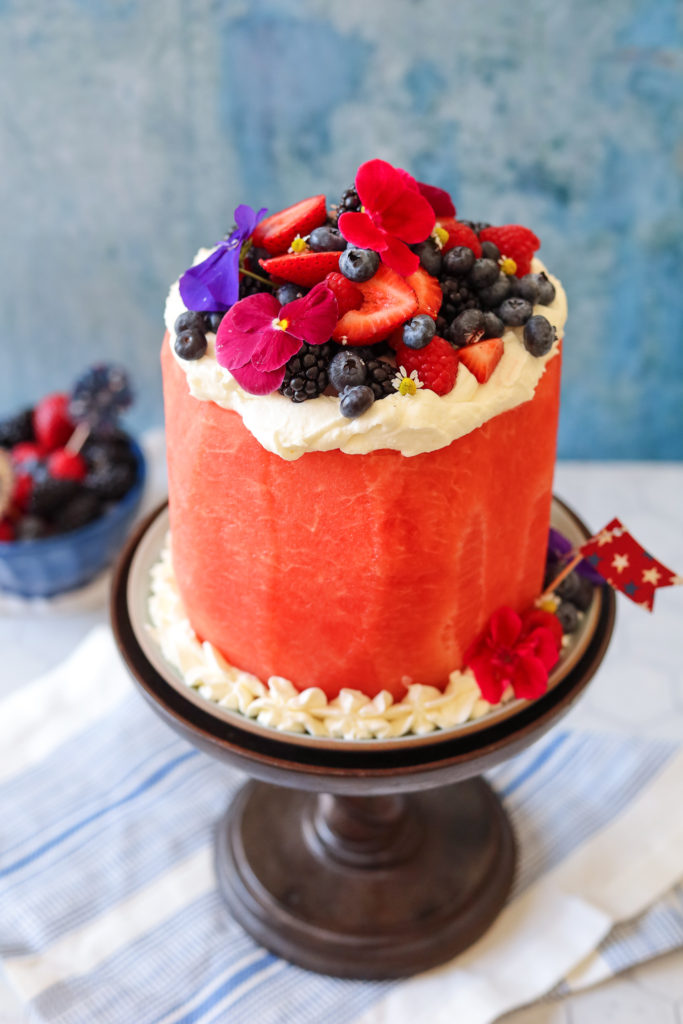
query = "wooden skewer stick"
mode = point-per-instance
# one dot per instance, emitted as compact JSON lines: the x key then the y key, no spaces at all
{"x":78,"y":438}
{"x":565,"y":572}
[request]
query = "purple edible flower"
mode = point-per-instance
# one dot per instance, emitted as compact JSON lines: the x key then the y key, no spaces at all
{"x":214,"y":284}
{"x":559,"y":548}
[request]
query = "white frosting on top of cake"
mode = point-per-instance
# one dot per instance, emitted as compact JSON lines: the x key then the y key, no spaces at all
{"x":411,"y":424}
{"x":277,"y":703}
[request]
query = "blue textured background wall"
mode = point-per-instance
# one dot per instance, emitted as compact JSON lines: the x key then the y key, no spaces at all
{"x":129,"y":130}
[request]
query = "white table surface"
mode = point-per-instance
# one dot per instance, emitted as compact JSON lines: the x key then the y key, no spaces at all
{"x":639,"y":689}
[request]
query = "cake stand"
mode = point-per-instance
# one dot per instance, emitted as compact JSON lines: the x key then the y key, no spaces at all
{"x":373,"y":859}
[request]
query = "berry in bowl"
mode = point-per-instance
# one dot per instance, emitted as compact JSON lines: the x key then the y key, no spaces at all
{"x":71,"y":482}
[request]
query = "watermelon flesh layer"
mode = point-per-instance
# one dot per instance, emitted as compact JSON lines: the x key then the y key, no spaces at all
{"x":363,"y":571}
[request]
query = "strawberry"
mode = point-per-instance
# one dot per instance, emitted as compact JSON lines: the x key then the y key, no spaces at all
{"x":6,"y":530}
{"x":52,"y":424}
{"x":428,"y":291}
{"x":436,"y":364}
{"x":277,"y":232}
{"x":66,"y":465}
{"x":305,"y":268}
{"x":515,"y":242}
{"x":482,"y":358}
{"x":458,"y":234}
{"x":387,"y":302}
{"x":348,"y":295}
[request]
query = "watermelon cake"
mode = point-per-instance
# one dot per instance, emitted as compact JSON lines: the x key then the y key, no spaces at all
{"x":361,"y":404}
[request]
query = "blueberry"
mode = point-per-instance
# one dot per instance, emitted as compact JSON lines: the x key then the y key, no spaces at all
{"x":326,"y":239}
{"x":546,"y":290}
{"x":483,"y":273}
{"x":584,"y":594}
{"x":493,"y":325}
{"x":527,"y":288}
{"x":496,"y":293}
{"x":430,"y":256}
{"x":289,"y":292}
{"x":514,"y":312}
{"x":190,"y":344}
{"x":490,"y":251}
{"x":215,"y":320}
{"x":111,"y":483}
{"x":419,"y":331}
{"x":190,"y":320}
{"x":568,"y":616}
{"x":359,"y":264}
{"x":355,"y":401}
{"x":569,"y":587}
{"x":458,"y":261}
{"x":467,"y":328}
{"x":346,"y":370}
{"x":539,"y":335}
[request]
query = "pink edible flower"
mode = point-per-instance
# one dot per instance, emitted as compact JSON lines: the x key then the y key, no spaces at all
{"x":394,"y":215}
{"x":257,"y":336}
{"x":516,"y":651}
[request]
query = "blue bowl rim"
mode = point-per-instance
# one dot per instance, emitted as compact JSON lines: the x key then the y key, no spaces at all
{"x":119,"y":509}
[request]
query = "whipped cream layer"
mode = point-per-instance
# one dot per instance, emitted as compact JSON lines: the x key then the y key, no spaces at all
{"x":410,"y":424}
{"x":277,"y":703}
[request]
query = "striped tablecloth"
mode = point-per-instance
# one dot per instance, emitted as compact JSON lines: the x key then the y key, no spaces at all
{"x":109,"y":911}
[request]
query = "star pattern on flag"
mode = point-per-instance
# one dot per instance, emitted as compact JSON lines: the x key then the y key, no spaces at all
{"x":621,"y":560}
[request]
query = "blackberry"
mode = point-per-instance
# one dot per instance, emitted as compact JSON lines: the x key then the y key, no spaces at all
{"x":111,"y":482}
{"x":380,"y":376}
{"x":476,"y":225}
{"x":457,"y":297}
{"x":81,"y":509}
{"x":251,"y":285}
{"x":17,"y":429}
{"x":49,"y":495}
{"x":568,"y":616}
{"x":100,"y":395}
{"x":306,"y":372}
{"x":350,"y":201}
{"x":32,"y":528}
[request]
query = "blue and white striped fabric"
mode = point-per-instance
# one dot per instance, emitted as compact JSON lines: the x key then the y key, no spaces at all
{"x":108,"y":905}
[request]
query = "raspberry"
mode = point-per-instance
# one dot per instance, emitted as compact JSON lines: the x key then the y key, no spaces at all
{"x":436,"y":364}
{"x":515,"y":242}
{"x":66,"y":465}
{"x":23,"y":489}
{"x":51,"y":421}
{"x":6,"y":530}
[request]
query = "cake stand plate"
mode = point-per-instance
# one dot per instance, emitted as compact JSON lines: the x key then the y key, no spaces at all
{"x":361,"y":862}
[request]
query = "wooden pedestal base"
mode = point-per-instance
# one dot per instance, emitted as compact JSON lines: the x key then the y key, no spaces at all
{"x":366,"y":887}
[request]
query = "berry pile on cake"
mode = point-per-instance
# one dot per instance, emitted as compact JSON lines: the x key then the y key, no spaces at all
{"x":361,"y":409}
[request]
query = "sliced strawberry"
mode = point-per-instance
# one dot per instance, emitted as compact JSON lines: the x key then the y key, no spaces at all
{"x":458,"y":234}
{"x":387,"y":302}
{"x":52,"y":424}
{"x":306,"y":268}
{"x":348,"y":295}
{"x":428,"y":291}
{"x":482,"y":358}
{"x":277,"y":232}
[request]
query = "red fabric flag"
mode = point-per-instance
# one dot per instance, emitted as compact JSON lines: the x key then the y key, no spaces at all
{"x":620,"y":559}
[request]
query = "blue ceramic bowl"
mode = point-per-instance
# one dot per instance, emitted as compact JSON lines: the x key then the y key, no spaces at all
{"x":51,"y":565}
